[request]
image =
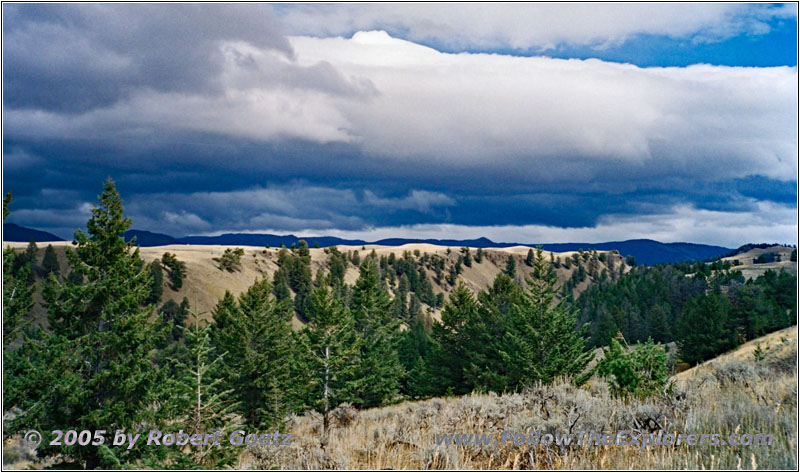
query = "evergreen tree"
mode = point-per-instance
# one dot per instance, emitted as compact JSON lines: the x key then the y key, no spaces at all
{"x":280,"y":286}
{"x":231,"y":260}
{"x":467,"y":257}
{"x":298,"y":271}
{"x":487,"y":369}
{"x":200,"y":403}
{"x":414,"y":351}
{"x":337,"y":263}
{"x":703,"y":327}
{"x":173,"y":316}
{"x":529,"y":257}
{"x":511,"y":267}
{"x":479,"y":256}
{"x":30,"y":253}
{"x":414,"y":307}
{"x":452,"y":348}
{"x":544,"y":340}
{"x":380,"y":367}
{"x":157,"y":287}
{"x":659,"y":328}
{"x":17,"y":291}
{"x":452,"y":276}
{"x":177,"y":270}
{"x":94,"y":371}
{"x":329,"y":352}
{"x":256,"y":333}
{"x":50,"y":263}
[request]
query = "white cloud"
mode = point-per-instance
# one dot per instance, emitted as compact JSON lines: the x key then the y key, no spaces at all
{"x":537,"y":26}
{"x":185,"y":219}
{"x":537,"y":119}
{"x":554,"y":119}
{"x":421,"y":201}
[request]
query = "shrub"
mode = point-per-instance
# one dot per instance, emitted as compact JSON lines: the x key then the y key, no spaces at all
{"x":176,"y":268}
{"x":638,"y":371}
{"x":231,"y":260}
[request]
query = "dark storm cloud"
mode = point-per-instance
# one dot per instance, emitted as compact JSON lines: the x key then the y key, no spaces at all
{"x":72,"y":58}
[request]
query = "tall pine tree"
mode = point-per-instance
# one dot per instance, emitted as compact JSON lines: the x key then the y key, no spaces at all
{"x":380,"y":365}
{"x":256,"y":333}
{"x":17,"y":291}
{"x":50,"y":261}
{"x":543,"y":339}
{"x":329,"y":352}
{"x":200,"y":402}
{"x":94,"y":370}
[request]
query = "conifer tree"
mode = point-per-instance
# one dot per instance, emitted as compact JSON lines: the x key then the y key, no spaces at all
{"x":30,"y":252}
{"x":529,"y":258}
{"x":328,"y":353}
{"x":177,"y":270}
{"x":703,"y":327}
{"x":467,"y":256}
{"x":452,"y":346}
{"x":414,"y":350}
{"x":511,"y":267}
{"x":298,"y":271}
{"x":50,"y":261}
{"x":173,"y":316}
{"x":200,"y":402}
{"x":543,"y":339}
{"x":17,"y":291}
{"x":94,"y":370}
{"x":479,"y":256}
{"x":280,"y":286}
{"x":256,"y":334}
{"x":380,"y":366}
{"x":157,"y":287}
{"x":414,"y":307}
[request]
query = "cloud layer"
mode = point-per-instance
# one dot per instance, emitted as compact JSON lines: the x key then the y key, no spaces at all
{"x":212,"y":118}
{"x":536,"y":26}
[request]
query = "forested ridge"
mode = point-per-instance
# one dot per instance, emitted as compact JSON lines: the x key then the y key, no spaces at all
{"x":111,"y":358}
{"x":706,"y":308}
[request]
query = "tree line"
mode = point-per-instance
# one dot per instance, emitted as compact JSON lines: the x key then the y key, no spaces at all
{"x":705,"y":308}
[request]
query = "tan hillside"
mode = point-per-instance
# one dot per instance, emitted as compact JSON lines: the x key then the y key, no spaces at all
{"x":205,"y":283}
{"x":777,"y":347}
{"x":751,"y":270}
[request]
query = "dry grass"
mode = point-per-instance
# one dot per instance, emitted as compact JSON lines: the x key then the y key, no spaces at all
{"x":205,"y":284}
{"x":729,"y":396}
{"x":752,"y":271}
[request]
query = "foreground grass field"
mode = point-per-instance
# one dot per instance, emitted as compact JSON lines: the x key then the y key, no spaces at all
{"x":733,"y":394}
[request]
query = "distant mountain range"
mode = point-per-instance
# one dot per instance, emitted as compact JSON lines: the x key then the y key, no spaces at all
{"x":13,"y":232}
{"x":644,"y":251}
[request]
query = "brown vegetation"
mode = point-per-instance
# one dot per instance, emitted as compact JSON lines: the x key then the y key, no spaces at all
{"x":734,"y":395}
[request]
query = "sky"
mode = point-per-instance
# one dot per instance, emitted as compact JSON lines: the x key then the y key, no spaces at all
{"x":530,"y":123}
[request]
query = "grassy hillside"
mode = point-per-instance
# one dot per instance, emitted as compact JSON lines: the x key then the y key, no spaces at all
{"x":731,"y":394}
{"x":745,"y":261}
{"x":205,"y":283}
